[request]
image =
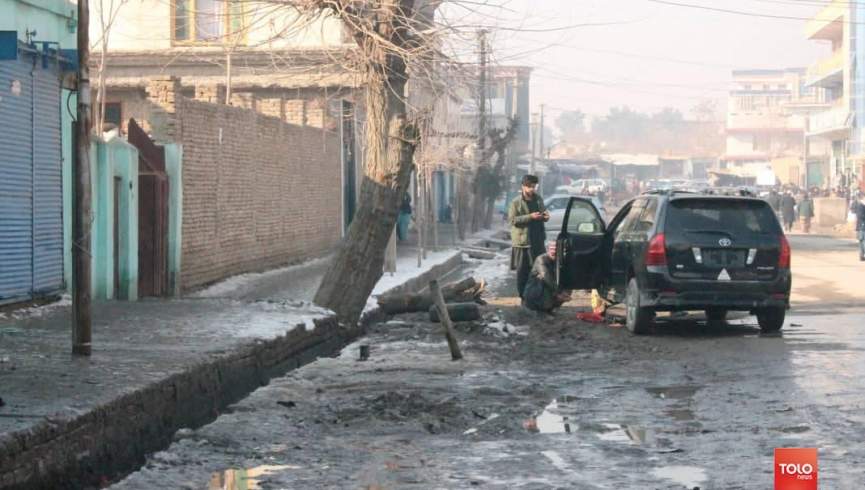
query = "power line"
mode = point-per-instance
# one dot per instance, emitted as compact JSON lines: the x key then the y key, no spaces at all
{"x":740,"y":12}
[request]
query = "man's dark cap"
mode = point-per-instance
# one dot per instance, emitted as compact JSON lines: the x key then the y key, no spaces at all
{"x":530,"y":179}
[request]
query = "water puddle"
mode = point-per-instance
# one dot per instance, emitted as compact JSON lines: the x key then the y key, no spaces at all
{"x":552,"y":420}
{"x":625,"y":434}
{"x":244,"y":479}
{"x":689,"y":476}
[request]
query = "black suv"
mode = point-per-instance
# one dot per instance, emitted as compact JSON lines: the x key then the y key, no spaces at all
{"x":676,"y":251}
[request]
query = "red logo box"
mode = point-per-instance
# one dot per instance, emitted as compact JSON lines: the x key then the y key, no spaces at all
{"x":796,"y":469}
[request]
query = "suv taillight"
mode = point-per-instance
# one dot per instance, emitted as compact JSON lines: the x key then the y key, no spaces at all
{"x":657,"y":251}
{"x":784,"y":255}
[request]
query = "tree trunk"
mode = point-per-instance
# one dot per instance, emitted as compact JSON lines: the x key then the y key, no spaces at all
{"x":389,"y":153}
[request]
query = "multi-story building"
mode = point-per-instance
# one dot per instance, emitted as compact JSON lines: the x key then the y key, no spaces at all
{"x":507,"y":97}
{"x":839,"y":127}
{"x":767,"y":113}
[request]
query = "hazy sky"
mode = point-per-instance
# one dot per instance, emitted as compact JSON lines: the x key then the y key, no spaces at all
{"x":661,"y":55}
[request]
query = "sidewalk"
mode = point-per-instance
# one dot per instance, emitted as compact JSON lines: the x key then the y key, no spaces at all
{"x":158,"y":366}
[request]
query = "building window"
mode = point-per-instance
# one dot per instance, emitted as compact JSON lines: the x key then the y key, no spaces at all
{"x":113,"y":114}
{"x":206,"y":21}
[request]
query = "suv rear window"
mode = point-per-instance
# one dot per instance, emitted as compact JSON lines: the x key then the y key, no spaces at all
{"x":740,"y":217}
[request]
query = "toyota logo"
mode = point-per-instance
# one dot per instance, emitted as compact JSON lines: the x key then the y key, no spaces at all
{"x":725,"y":242}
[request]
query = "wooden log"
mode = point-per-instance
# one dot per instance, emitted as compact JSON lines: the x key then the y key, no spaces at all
{"x":446,"y":321}
{"x":479,"y":254}
{"x":465,"y":290}
{"x":480,"y":248}
{"x":458,"y":312}
{"x":495,"y":242}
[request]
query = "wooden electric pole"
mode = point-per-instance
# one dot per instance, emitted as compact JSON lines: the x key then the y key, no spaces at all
{"x":482,"y":95}
{"x":81,"y":314}
{"x":541,"y":135}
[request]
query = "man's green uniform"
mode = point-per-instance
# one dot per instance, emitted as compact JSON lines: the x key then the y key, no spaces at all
{"x":527,"y":236}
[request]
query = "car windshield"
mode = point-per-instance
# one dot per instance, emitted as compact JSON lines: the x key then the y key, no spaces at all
{"x":738,"y":217}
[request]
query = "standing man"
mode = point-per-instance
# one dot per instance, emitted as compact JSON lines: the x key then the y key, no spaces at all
{"x":404,"y":218}
{"x":527,"y":215}
{"x":806,"y":212}
{"x":860,"y":225}
{"x":788,"y":210}
{"x":775,"y":201}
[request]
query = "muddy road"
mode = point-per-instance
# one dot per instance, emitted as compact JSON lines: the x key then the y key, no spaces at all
{"x":544,"y":403}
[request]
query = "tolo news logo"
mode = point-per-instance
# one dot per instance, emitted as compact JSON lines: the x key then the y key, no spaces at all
{"x":796,"y":469}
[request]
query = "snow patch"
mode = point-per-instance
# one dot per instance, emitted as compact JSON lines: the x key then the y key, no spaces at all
{"x":492,"y":271}
{"x":498,"y":327}
{"x":38,"y":311}
{"x":268,"y":320}
{"x":406,"y":270}
{"x":243,"y":282}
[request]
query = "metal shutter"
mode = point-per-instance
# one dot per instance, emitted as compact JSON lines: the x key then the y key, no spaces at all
{"x":47,"y":181}
{"x":16,"y":181}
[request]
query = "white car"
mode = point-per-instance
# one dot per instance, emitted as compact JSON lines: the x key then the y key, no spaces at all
{"x":557,"y":204}
{"x":595,"y":186}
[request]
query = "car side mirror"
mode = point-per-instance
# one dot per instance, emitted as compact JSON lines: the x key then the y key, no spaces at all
{"x":586,"y":228}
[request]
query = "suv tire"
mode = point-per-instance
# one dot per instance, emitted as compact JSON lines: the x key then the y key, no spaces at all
{"x":637,"y":318}
{"x":716,"y":315}
{"x":771,"y":319}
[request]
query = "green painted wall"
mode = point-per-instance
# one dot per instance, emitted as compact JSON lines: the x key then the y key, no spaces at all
{"x":53,"y":20}
{"x":111,"y":161}
{"x":174,"y":169}
{"x":66,"y":142}
{"x":115,"y":165}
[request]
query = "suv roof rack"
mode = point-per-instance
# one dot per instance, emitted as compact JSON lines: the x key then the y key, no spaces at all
{"x":669,"y":192}
{"x":710,"y":191}
{"x":730,"y":191}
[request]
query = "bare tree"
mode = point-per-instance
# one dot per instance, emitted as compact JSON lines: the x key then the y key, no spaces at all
{"x":108,"y":11}
{"x":386,"y":34}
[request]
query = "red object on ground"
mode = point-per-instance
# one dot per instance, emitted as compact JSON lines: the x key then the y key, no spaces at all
{"x":588,"y":316}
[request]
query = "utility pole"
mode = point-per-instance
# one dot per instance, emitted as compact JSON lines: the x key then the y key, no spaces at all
{"x":533,"y":127}
{"x":81,"y":314}
{"x":541,"y":135}
{"x":482,"y":94}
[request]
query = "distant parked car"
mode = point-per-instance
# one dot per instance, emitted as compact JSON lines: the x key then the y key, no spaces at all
{"x":557,"y":205}
{"x":594,"y":186}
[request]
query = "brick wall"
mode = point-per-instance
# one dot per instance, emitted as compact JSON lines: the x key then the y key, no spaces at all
{"x":257,"y":192}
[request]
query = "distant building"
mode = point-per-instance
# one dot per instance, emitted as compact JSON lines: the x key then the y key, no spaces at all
{"x":767,"y":113}
{"x":508,"y":96}
{"x":839,"y":129}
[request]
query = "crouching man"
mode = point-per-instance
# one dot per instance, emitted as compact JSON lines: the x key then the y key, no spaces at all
{"x":542,"y":292}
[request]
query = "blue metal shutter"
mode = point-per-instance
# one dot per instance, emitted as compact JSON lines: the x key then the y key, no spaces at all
{"x":47,"y":181}
{"x":16,"y":181}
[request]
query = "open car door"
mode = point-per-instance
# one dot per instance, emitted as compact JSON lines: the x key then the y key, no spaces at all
{"x":581,"y":247}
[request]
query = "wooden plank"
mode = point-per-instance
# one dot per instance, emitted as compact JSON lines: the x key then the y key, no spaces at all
{"x":454,"y":346}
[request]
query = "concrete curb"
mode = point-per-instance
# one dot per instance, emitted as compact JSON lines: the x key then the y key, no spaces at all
{"x":114,"y":438}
